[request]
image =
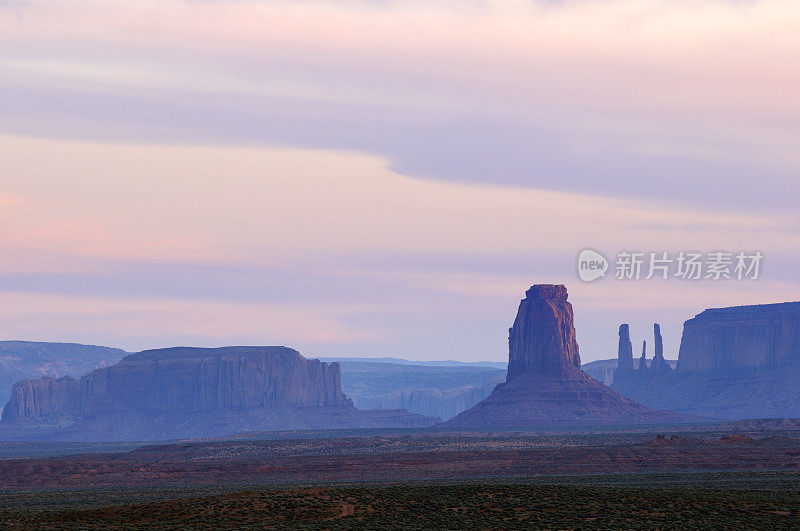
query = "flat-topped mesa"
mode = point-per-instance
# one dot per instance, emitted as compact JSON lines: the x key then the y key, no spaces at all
{"x":624,"y":353}
{"x":187,"y":379}
{"x":542,"y":339}
{"x":659,"y":364}
{"x":741,"y":337}
{"x":195,"y":392}
{"x":642,"y":369}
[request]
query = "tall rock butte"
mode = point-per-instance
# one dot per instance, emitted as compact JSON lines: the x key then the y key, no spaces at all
{"x":193,"y":392}
{"x":545,"y":386}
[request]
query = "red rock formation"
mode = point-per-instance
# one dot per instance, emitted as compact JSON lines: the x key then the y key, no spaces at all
{"x":207,"y":391}
{"x":547,"y":386}
{"x":543,"y":339}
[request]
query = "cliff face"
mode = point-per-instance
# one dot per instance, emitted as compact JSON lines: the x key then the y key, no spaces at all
{"x":205,"y":391}
{"x":543,"y":336}
{"x":43,"y":399}
{"x":742,"y":337}
{"x":734,"y":363}
{"x":546,"y":385}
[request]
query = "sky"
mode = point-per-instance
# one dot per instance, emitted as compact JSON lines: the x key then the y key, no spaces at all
{"x":378,"y":178}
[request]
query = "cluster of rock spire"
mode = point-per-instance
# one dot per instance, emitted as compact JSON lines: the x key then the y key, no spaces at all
{"x":734,"y":363}
{"x":625,"y":365}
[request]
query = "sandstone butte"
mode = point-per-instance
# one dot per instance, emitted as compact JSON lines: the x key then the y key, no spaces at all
{"x":545,"y":386}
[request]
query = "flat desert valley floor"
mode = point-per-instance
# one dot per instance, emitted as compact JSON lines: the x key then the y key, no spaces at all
{"x":665,"y":477}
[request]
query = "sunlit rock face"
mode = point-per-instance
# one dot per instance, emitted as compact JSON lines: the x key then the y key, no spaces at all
{"x":545,"y":385}
{"x":542,"y":339}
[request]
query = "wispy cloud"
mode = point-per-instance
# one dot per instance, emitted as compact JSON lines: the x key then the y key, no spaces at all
{"x":231,"y":204}
{"x":653,"y":98}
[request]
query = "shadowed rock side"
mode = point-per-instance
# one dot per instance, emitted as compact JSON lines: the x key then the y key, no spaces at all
{"x":734,"y":363}
{"x":547,"y":386}
{"x":192,"y":392}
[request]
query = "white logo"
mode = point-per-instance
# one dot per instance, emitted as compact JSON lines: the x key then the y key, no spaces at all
{"x":591,"y":265}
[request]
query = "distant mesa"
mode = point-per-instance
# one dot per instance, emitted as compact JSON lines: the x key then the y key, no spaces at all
{"x":193,"y":392}
{"x":545,"y":386}
{"x":426,"y":389}
{"x":734,"y":363}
